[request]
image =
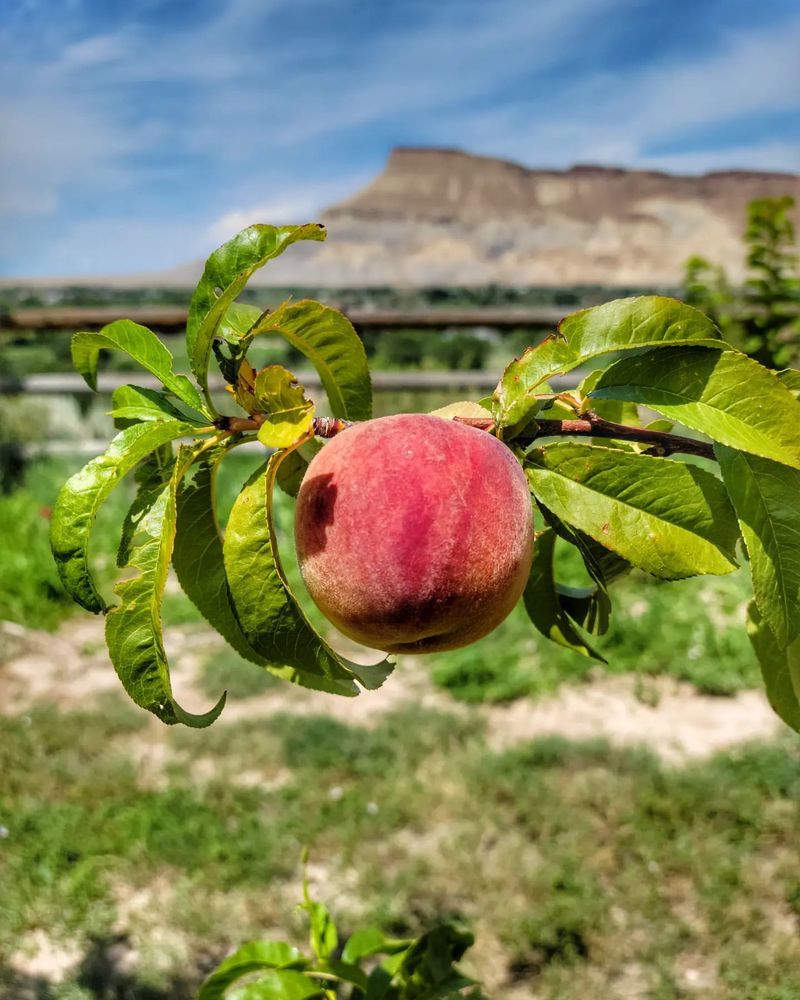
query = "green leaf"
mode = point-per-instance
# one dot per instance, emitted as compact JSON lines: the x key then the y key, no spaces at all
{"x":324,"y":937}
{"x":289,"y":415}
{"x":226,"y":273}
{"x":140,"y":344}
{"x":621,"y":325}
{"x":617,"y":411}
{"x":249,"y":958}
{"x":83,"y":494}
{"x":283,"y":984}
{"x":670,"y":519}
{"x":197,"y":556}
{"x":780,"y":668}
{"x":294,"y":466}
{"x":345,"y":972}
{"x":790,"y":378}
{"x":725,"y":395}
{"x":269,"y":615}
{"x":236,"y":321}
{"x":427,"y":969}
{"x":766,"y":498}
{"x":370,"y":941}
{"x":603,"y":565}
{"x":542,"y":601}
{"x":229,"y":351}
{"x":133,"y":628}
{"x":131,"y":402}
{"x":588,"y":607}
{"x":379,"y":984}
{"x":328,"y":340}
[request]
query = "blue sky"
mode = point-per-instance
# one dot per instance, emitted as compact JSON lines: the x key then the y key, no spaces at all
{"x":138,"y":135}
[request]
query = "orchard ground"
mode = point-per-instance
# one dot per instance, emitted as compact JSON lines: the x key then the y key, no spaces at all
{"x":626,"y":831}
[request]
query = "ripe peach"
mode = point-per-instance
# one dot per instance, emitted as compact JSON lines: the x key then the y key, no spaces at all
{"x":414,"y":533}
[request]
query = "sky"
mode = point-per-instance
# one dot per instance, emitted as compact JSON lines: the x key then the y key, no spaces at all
{"x":138,"y":134}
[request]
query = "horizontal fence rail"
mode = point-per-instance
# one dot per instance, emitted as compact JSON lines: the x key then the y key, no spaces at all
{"x":173,"y":319}
{"x":57,"y":384}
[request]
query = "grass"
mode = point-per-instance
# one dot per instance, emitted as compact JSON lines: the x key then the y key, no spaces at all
{"x":30,"y":591}
{"x":225,"y":670}
{"x":579,"y":866}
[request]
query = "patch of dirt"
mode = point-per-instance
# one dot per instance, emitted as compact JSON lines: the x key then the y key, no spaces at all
{"x":70,"y":667}
{"x":40,"y":957}
{"x":681,"y":724}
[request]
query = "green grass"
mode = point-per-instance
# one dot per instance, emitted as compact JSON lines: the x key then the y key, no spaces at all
{"x":224,"y":669}
{"x":572,"y":862}
{"x":30,"y":591}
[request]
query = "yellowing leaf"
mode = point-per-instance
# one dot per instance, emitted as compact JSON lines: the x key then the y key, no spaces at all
{"x":464,"y":408}
{"x":244,"y":391}
{"x":289,"y":415}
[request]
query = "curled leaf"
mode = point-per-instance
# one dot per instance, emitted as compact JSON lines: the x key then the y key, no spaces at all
{"x":780,"y":668}
{"x":268,"y":613}
{"x":83,"y":494}
{"x":289,"y":415}
{"x":226,"y":273}
{"x":133,"y":628}
{"x":132,"y":402}
{"x":330,"y":343}
{"x":543,"y":603}
{"x":140,"y":344}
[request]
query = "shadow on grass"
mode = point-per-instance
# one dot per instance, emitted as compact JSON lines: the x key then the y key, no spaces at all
{"x":104,"y":973}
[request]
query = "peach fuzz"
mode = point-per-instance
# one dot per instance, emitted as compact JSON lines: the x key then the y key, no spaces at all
{"x":414,"y":533}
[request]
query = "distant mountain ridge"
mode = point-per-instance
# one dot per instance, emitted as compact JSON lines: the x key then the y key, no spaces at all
{"x":446,"y":217}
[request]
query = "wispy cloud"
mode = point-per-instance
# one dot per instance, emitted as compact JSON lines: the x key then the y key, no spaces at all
{"x":167,"y":119}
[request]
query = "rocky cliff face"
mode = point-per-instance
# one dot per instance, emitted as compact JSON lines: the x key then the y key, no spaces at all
{"x":443,"y":217}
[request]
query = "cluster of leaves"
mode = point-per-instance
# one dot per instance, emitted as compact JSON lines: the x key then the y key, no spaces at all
{"x":763,"y":317}
{"x":624,"y":504}
{"x":630,"y":501}
{"x":410,"y":969}
{"x":238,"y":584}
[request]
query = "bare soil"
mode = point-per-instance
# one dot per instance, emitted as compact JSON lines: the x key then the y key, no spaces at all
{"x":70,"y":669}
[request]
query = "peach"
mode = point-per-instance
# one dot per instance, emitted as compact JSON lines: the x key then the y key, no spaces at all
{"x":414,"y":533}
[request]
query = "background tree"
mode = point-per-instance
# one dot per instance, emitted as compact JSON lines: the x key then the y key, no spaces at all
{"x":763,"y":317}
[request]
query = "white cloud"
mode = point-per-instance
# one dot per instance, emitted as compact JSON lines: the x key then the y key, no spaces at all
{"x":51,"y":143}
{"x":618,"y":118}
{"x":290,"y":206}
{"x":94,"y":50}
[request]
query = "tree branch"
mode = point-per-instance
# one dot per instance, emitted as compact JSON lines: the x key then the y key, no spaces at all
{"x":590,"y":425}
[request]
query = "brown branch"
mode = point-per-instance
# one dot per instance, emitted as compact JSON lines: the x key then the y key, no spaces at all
{"x":591,"y":425}
{"x":660,"y":442}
